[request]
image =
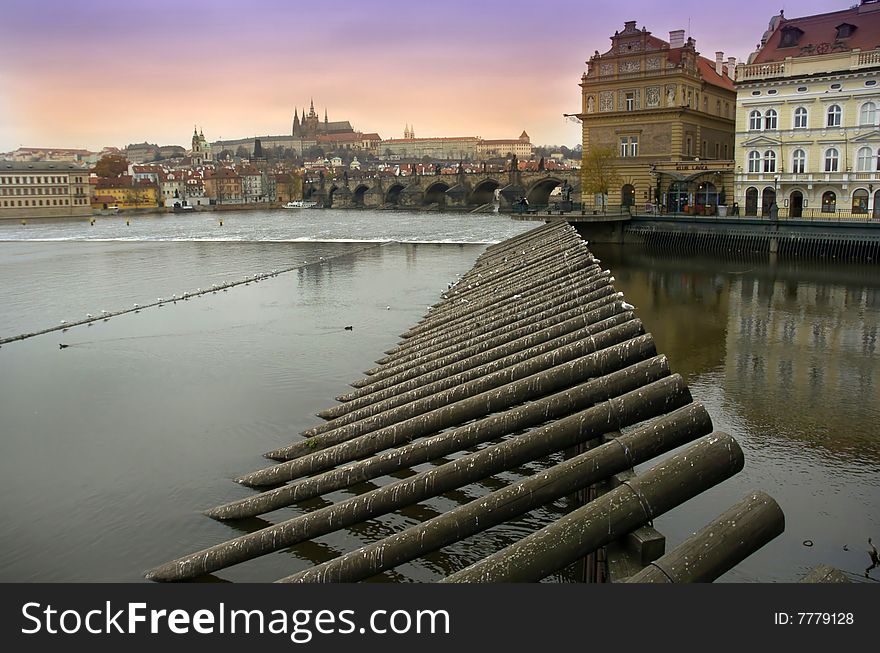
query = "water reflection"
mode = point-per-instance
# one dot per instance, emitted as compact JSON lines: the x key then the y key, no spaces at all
{"x":784,"y":355}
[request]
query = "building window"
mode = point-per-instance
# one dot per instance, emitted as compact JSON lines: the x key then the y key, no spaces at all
{"x":770,"y":119}
{"x":798,"y":162}
{"x":860,"y":201}
{"x":868,"y":114}
{"x":629,"y":147}
{"x":717,"y":150}
{"x":630,"y":101}
{"x":689,"y":146}
{"x":829,"y":202}
{"x":832,"y":159}
{"x":865,"y":160}
{"x":800,"y":118}
{"x":755,"y":121}
{"x":769,"y":161}
{"x":834,"y":116}
{"x":754,"y":161}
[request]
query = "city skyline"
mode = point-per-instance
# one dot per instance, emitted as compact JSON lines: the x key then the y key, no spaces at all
{"x":107,"y":74}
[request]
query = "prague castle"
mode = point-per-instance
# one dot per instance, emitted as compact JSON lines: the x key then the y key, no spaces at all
{"x":311,"y":127}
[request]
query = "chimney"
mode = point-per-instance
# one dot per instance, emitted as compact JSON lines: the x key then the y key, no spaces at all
{"x":676,"y":38}
{"x":731,"y":67}
{"x":719,"y":63}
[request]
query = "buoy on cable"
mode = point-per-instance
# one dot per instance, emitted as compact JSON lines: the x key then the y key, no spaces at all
{"x":221,"y":223}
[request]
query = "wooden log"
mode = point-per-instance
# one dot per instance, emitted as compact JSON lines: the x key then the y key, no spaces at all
{"x":453,"y":392}
{"x":649,"y":401}
{"x":529,"y":292}
{"x":501,"y":320}
{"x":538,"y":385}
{"x":472,"y":344}
{"x":720,"y":545}
{"x":462,"y":438}
{"x":457,"y":376}
{"x":680,"y":477}
{"x":485,"y":350}
{"x":661,"y":435}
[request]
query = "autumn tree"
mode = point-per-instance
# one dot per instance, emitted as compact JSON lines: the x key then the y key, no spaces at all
{"x":600,"y":172}
{"x":111,"y":166}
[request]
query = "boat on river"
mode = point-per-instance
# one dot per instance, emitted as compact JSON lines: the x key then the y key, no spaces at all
{"x":299,"y":204}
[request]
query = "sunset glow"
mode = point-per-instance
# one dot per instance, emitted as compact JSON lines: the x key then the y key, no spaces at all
{"x":97,"y":73}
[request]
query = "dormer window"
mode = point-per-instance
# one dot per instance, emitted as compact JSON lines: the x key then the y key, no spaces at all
{"x":845,"y":30}
{"x":790,"y":36}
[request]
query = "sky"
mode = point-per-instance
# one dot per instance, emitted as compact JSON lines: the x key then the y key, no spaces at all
{"x":95,"y":73}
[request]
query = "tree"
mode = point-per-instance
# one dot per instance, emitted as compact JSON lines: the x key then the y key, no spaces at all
{"x":111,"y":166}
{"x":599,"y":171}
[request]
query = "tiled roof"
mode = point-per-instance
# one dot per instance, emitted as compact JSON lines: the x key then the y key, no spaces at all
{"x":819,"y":34}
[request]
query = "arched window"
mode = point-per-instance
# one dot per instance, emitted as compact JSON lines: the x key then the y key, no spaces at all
{"x":860,"y":201}
{"x":834,"y":116}
{"x":752,"y":201}
{"x":829,"y":202}
{"x":868,"y":114}
{"x":798,"y":162}
{"x":800,"y":118}
{"x":754,"y":161}
{"x":769,"y":161}
{"x":770,"y":119}
{"x":865,"y":160}
{"x":755,"y":121}
{"x":832,"y":159}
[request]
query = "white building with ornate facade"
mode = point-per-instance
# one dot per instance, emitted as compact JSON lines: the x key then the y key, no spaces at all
{"x":808,"y":110}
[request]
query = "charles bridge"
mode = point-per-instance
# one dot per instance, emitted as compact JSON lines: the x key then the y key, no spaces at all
{"x":461,"y":190}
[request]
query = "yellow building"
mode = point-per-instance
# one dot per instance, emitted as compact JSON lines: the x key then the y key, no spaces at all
{"x":43,"y":189}
{"x":124,"y":193}
{"x":668,"y":114}
{"x":808,"y":104}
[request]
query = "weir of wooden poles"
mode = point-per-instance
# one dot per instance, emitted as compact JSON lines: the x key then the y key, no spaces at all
{"x":531,"y":353}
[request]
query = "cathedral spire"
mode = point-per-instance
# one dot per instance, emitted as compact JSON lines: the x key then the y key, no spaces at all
{"x":325,"y":115}
{"x":312,"y":108}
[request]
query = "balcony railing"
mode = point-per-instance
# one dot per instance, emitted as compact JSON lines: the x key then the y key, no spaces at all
{"x":793,"y":66}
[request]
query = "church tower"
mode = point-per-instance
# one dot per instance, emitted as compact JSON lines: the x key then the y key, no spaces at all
{"x":197,"y":154}
{"x":293,"y":132}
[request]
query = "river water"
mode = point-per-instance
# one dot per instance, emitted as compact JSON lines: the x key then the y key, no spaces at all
{"x":113,"y":446}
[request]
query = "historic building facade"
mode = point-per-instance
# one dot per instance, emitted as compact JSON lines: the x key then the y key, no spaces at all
{"x":500,"y":148}
{"x":808,"y":110}
{"x":311,"y":126}
{"x":42,"y":189}
{"x":668,"y":114}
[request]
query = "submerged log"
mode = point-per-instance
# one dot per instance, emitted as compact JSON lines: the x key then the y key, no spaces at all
{"x":701,"y":466}
{"x":472,"y":390}
{"x":462,"y":438}
{"x":661,"y":435}
{"x":722,"y":544}
{"x":650,"y":401}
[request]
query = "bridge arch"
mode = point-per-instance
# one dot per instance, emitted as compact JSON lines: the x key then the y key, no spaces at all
{"x":358,"y":195}
{"x":392,"y":195}
{"x":436,"y":193}
{"x":328,"y":204}
{"x":484,"y":192}
{"x":539,"y":193}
